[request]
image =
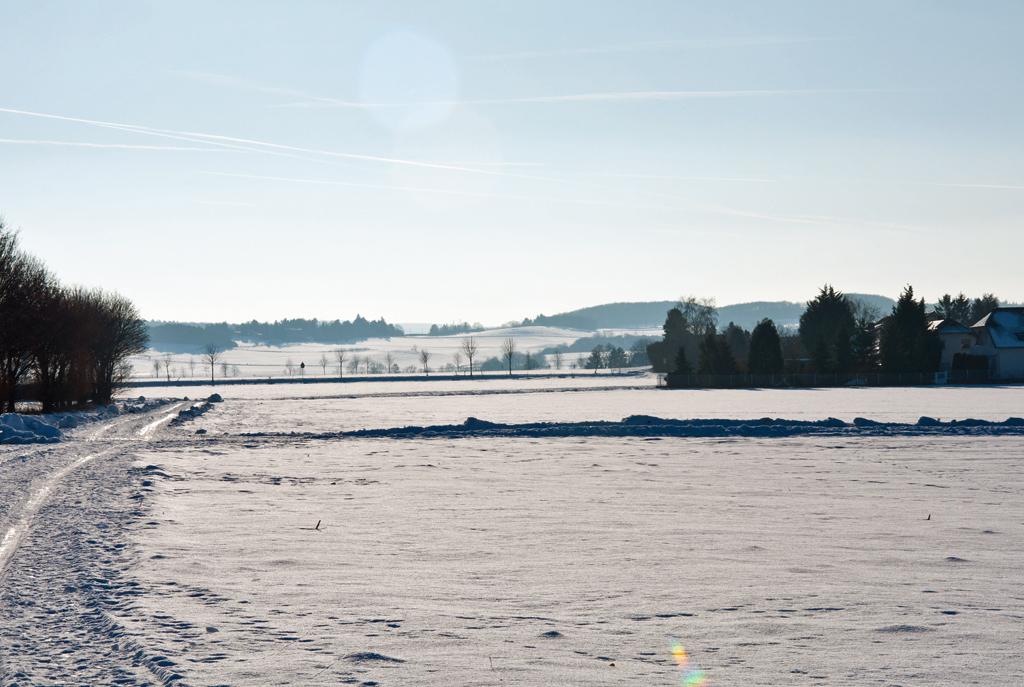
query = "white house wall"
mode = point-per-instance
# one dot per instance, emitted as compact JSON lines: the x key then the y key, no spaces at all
{"x":1009,"y":363}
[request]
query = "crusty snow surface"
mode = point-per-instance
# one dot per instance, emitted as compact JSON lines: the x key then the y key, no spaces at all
{"x":275,"y":549}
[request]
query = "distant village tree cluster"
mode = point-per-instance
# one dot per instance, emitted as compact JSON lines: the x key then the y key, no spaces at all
{"x":71,"y":344}
{"x":841,"y":335}
{"x":225,"y":335}
{"x":456,"y":328}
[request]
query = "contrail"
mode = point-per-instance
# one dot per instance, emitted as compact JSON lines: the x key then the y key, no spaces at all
{"x":231,"y":142}
{"x":320,"y":101}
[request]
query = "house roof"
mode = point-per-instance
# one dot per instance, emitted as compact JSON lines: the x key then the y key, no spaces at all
{"x":1005,"y":326}
{"x":948,"y":327}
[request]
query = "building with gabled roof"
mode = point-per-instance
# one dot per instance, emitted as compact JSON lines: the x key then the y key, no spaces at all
{"x":955,"y":339}
{"x":1000,"y":336}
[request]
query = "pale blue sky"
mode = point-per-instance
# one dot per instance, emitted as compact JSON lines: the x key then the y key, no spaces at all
{"x":490,"y":161}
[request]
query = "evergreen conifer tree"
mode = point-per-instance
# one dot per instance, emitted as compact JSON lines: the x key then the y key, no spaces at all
{"x":907,"y":345}
{"x":821,"y":355}
{"x":844,"y":350}
{"x":824,"y":316}
{"x":865,"y":347}
{"x":765,"y":355}
{"x":960,"y":310}
{"x":981,"y":307}
{"x":682,"y":365}
{"x":716,"y":357}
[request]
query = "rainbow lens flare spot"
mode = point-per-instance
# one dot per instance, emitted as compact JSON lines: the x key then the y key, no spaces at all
{"x":689,"y":675}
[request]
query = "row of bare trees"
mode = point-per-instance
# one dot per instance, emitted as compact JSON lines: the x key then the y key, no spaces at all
{"x":346,"y":361}
{"x":355,"y":362}
{"x":71,"y":343}
{"x":210,"y":355}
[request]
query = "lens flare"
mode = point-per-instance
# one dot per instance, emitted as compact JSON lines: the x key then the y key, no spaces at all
{"x":689,"y":675}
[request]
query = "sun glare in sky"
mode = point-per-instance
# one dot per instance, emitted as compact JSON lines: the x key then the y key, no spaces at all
{"x":482,"y":162}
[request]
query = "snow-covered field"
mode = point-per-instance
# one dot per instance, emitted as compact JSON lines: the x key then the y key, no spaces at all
{"x":270,"y":361}
{"x":376,"y":404}
{"x":273,"y":550}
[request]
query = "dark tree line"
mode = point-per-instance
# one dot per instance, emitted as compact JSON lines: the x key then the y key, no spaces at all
{"x":836,"y":335}
{"x":964,"y":310}
{"x":71,"y":344}
{"x":283,"y":331}
{"x":567,"y":321}
{"x":177,"y":333}
{"x":300,"y":330}
{"x":459,"y":328}
{"x":844,"y":337}
{"x":613,"y":357}
{"x":687,"y":324}
{"x":629,"y":342}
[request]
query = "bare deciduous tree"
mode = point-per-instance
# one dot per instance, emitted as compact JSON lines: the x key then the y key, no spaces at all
{"x":557,"y":359}
{"x":76,"y":341}
{"x":211,"y":355}
{"x":457,"y":359}
{"x":425,"y":360}
{"x":324,"y":362}
{"x":339,"y":355}
{"x":508,"y":351}
{"x":389,"y":359}
{"x":121,"y":333}
{"x":21,"y":282}
{"x":289,"y":367}
{"x":469,"y":348}
{"x":698,"y":315}
{"x":156,"y":369}
{"x":192,"y":366}
{"x":167,"y":360}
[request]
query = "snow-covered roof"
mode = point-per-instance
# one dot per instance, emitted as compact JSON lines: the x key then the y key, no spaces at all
{"x":1005,"y":326}
{"x":948,"y":327}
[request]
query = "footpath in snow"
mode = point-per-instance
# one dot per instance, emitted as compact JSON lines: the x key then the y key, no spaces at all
{"x":17,"y":428}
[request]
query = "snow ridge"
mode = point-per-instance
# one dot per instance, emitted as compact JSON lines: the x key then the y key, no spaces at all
{"x":16,"y":428}
{"x":650,"y":426}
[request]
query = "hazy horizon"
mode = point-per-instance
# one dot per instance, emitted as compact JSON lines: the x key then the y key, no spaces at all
{"x":487,"y":162}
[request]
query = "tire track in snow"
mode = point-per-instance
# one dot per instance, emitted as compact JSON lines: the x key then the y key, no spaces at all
{"x":145,"y":431}
{"x":23,"y":522}
{"x":65,"y":591}
{"x":99,"y":431}
{"x":14,"y":536}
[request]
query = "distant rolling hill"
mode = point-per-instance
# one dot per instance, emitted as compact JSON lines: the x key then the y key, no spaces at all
{"x":652,"y":313}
